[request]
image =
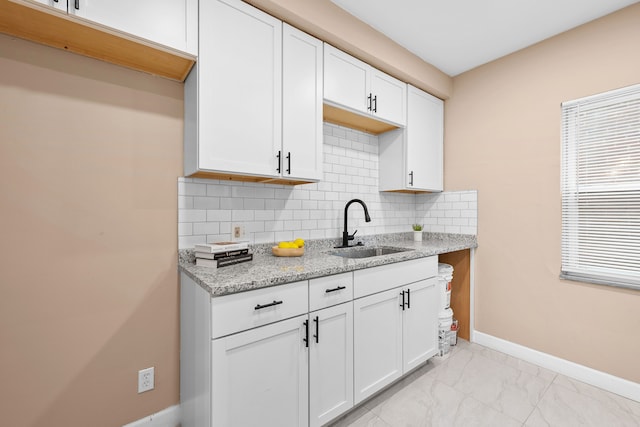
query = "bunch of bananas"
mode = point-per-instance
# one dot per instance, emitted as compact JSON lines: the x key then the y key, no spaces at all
{"x":298,"y":243}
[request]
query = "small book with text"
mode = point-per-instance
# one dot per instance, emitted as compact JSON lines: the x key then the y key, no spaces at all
{"x":223,"y":262}
{"x":218,"y":247}
{"x":218,"y":255}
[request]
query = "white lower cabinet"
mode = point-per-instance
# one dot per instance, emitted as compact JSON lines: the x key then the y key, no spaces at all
{"x":419,"y":323}
{"x":303,"y":353}
{"x":377,"y":327}
{"x":330,"y":363}
{"x":259,"y":377}
{"x":395,"y":330}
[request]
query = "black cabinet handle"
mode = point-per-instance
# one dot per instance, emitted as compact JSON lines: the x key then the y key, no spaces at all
{"x":279,"y":156}
{"x":408,"y":298}
{"x":306,"y":333}
{"x":271,"y":304}
{"x":369,"y":106}
{"x":289,"y":162}
{"x":77,"y":4}
{"x":317,"y":335}
{"x":375,"y":104}
{"x":402,"y":305}
{"x":339,"y":288}
{"x":411,"y":179}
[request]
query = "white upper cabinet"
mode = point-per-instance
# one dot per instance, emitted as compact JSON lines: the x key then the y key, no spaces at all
{"x":356,"y":86}
{"x":172,"y":23}
{"x":389,"y":97}
{"x":411,"y":159}
{"x":238,"y":91}
{"x":425,"y":140}
{"x":301,"y":105}
{"x":253,"y":103}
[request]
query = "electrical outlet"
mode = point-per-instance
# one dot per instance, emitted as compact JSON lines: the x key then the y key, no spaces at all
{"x":146,"y":380}
{"x":237,"y":231}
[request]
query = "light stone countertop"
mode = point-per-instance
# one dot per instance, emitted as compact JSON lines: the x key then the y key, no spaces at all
{"x":268,"y":270}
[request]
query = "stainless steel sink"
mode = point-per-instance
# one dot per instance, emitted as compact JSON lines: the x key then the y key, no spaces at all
{"x":359,"y":252}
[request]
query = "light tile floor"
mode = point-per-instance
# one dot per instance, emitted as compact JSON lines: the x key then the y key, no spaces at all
{"x":477,"y":386}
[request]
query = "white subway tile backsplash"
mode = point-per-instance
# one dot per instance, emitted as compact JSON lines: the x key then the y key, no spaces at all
{"x":185,"y":229}
{"x":191,"y":215}
{"x":207,"y":209}
{"x":206,"y":228}
{"x":185,"y":202}
{"x":206,"y":202}
{"x":192,"y":189}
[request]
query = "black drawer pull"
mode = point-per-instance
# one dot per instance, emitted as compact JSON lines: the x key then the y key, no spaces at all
{"x":306,"y":333}
{"x":317,"y":335}
{"x":339,"y":288}
{"x":271,"y":304}
{"x":408,"y":298}
{"x":289,"y":162}
{"x":403,"y":303}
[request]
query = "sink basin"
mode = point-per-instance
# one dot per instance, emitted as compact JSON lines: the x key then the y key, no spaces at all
{"x":358,"y":252}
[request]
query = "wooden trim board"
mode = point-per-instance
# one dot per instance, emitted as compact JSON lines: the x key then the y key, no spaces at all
{"x":246,"y":178}
{"x":48,"y":26}
{"x":460,"y":288}
{"x":346,"y":118}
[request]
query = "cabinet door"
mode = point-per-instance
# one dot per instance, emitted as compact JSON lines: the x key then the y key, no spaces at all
{"x":420,"y":323}
{"x":389,"y":97}
{"x":240,"y":89}
{"x":301,"y":105}
{"x":424,"y":139}
{"x":172,"y":23}
{"x":259,"y":377}
{"x":330,"y":363}
{"x":345,"y":80}
{"x":377,"y":330}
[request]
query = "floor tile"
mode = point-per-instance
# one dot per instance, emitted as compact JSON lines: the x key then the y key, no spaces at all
{"x":504,"y":388}
{"x":473,"y":413}
{"x":360,"y":417}
{"x":478,"y":386}
{"x":572,"y":403}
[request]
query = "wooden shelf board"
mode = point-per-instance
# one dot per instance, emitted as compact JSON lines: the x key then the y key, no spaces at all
{"x":355,"y":121}
{"x":407,"y":191}
{"x":46,"y":25}
{"x":247,"y":178}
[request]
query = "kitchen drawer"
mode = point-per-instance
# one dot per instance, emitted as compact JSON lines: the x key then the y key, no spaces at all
{"x":246,"y":310}
{"x":330,"y":290}
{"x":377,"y":279}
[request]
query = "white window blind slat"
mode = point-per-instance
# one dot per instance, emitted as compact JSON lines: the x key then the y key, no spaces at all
{"x":601,"y":188}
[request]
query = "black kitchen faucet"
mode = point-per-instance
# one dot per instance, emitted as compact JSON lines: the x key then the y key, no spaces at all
{"x":345,"y":234}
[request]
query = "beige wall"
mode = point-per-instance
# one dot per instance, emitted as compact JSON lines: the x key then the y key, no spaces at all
{"x":503,"y":138}
{"x":89,"y":159}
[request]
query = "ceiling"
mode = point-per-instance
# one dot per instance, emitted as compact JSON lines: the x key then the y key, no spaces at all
{"x":458,"y":35}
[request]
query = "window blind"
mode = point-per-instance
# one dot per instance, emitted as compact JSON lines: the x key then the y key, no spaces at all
{"x":601,"y":188}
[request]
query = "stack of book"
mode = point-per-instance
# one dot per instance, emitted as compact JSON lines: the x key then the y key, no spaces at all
{"x":222,"y":254}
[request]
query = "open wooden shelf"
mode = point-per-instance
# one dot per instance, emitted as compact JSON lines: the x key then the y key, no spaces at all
{"x":351,"y":120}
{"x":246,"y":178}
{"x":460,"y":288}
{"x":46,"y":25}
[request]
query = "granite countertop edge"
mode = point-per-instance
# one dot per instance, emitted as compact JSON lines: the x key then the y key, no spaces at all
{"x":266,"y":270}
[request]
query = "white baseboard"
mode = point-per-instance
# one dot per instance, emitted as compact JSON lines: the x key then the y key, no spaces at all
{"x":169,"y":417}
{"x":617,"y":385}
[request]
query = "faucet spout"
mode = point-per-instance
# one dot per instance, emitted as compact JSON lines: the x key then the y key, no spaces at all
{"x":345,"y":234}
